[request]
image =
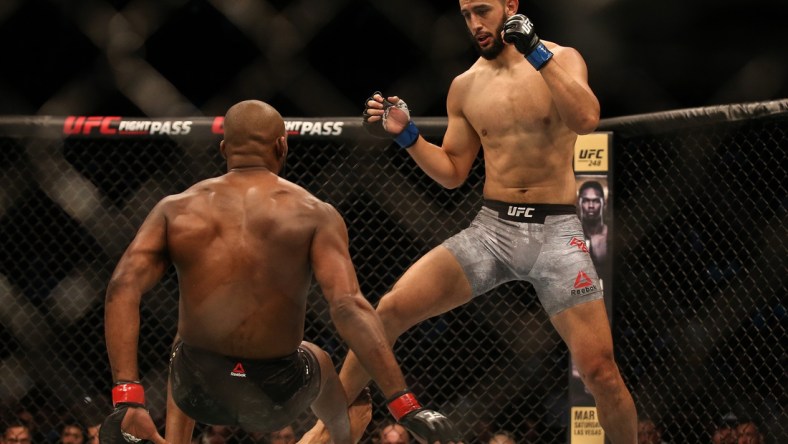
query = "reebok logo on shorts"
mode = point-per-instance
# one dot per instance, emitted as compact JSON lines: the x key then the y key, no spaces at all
{"x":583,"y":284}
{"x":581,"y":281}
{"x":238,"y":371}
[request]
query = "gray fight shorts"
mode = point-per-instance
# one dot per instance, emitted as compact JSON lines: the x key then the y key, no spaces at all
{"x":260,"y":395}
{"x":538,"y":243}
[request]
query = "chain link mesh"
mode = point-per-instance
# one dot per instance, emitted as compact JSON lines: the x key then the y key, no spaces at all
{"x":699,"y":273}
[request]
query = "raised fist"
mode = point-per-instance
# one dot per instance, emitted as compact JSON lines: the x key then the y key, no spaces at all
{"x":519,"y":31}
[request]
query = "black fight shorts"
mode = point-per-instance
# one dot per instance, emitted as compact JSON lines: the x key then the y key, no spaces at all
{"x":258,"y":395}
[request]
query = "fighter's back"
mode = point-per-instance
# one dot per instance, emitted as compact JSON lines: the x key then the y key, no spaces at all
{"x":240,"y":244}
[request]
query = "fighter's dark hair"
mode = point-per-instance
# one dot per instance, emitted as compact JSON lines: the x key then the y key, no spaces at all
{"x":592,"y":184}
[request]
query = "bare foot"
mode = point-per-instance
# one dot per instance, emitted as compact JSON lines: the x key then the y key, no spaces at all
{"x":360,"y":413}
{"x":318,"y":434}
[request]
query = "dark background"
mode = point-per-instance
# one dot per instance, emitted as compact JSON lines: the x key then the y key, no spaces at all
{"x":319,"y":58}
{"x":709,"y":340}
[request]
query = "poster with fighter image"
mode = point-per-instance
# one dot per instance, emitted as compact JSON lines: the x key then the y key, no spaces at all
{"x":592,"y":163}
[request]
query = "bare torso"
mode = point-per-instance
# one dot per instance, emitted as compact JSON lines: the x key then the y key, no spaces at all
{"x":527,"y":147}
{"x":240,"y":244}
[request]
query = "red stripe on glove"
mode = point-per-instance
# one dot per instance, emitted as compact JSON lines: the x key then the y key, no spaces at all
{"x":128,"y":392}
{"x":403,"y":405}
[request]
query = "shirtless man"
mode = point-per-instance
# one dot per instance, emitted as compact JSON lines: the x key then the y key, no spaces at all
{"x":245,"y":246}
{"x":525,"y":101}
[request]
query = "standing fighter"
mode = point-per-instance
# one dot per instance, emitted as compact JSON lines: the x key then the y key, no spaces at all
{"x":245,"y":246}
{"x":525,"y":101}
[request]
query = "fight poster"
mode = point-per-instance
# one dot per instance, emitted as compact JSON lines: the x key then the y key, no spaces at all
{"x":592,"y":164}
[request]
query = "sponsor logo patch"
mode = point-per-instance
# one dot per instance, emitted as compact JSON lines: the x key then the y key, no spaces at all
{"x":116,"y":125}
{"x":238,"y":371}
{"x":580,"y":244}
{"x":583,"y":284}
{"x":520,"y":211}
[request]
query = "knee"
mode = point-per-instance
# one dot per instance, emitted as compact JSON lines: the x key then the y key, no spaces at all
{"x":321,"y":356}
{"x":600,"y":373}
{"x":394,"y":318}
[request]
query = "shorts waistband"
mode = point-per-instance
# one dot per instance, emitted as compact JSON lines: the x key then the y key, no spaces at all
{"x":192,"y":350}
{"x":531,"y":213}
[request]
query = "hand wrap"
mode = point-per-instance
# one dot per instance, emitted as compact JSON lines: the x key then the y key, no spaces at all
{"x":375,"y":128}
{"x":404,"y":139}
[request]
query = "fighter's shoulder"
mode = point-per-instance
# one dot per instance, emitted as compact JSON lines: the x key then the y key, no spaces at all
{"x":173,"y":200}
{"x":295,"y":194}
{"x":308,"y":203}
{"x":324,"y":214}
{"x":177,"y":203}
{"x":468,"y":76}
{"x":187,"y":194}
{"x":563,"y":52}
{"x":325,"y":211}
{"x":464,"y":82}
{"x":199,"y":187}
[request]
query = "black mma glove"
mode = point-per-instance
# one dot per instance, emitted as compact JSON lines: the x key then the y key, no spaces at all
{"x":125,"y":395}
{"x":519,"y":31}
{"x":406,"y":138}
{"x":427,"y":425}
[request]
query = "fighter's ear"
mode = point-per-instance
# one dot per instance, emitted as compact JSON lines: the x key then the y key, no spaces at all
{"x":511,"y":7}
{"x":281,"y":147}
{"x":222,"y":149}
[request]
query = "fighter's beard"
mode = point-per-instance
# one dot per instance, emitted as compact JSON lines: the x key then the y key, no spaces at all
{"x":493,"y":51}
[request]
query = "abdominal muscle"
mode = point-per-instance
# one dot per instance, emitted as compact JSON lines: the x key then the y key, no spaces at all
{"x":530,"y":170}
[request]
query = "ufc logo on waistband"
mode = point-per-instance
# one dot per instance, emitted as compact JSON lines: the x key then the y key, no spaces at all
{"x":520,"y":211}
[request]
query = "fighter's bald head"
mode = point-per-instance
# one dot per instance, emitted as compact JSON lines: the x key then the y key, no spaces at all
{"x":254,"y":135}
{"x":252,"y":121}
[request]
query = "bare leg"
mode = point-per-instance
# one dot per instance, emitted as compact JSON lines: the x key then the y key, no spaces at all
{"x":360,"y":413}
{"x":330,"y":406}
{"x":317,"y":434}
{"x":586,"y":330}
{"x":179,"y":427}
{"x":432,"y":286}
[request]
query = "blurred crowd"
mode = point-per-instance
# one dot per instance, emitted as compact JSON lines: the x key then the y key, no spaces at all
{"x":23,"y":425}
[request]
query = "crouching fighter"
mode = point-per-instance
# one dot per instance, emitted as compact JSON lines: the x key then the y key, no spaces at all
{"x":245,"y":246}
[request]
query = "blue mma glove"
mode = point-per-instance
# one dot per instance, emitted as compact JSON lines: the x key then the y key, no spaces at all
{"x":519,"y":31}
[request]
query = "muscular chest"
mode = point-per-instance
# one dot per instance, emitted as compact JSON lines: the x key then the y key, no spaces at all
{"x":504,"y":105}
